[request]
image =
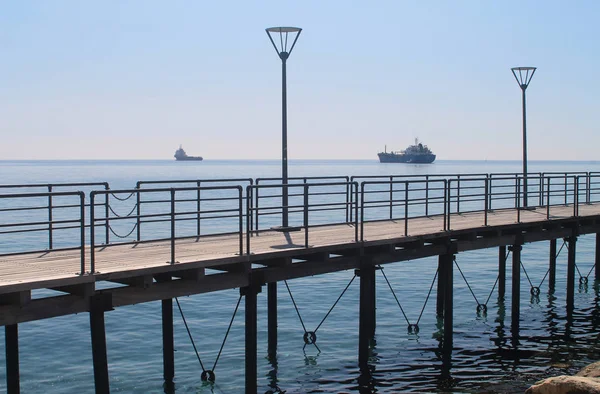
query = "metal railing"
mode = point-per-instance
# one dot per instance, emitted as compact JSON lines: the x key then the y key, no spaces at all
{"x":198,"y":198}
{"x":331,"y":198}
{"x":171,"y":214}
{"x":170,"y":207}
{"x":71,"y":217}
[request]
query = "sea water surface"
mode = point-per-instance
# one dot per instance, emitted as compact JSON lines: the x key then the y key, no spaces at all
{"x":55,"y":354}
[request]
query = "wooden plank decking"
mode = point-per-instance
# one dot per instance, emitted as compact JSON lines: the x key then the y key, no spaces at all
{"x":55,"y":269}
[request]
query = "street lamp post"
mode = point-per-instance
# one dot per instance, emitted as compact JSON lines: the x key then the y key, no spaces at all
{"x":523,"y":75}
{"x":283,"y":36}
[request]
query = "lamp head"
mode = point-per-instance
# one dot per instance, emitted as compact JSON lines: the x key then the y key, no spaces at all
{"x":283,"y":39}
{"x":523,"y":75}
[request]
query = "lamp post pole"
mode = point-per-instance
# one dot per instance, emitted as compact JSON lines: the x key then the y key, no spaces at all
{"x":282,"y":34}
{"x":523,"y":75}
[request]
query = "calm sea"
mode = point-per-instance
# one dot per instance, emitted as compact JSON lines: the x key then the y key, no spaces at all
{"x":55,"y":354}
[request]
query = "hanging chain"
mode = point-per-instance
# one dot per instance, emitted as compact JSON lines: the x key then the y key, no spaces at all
{"x":209,"y":375}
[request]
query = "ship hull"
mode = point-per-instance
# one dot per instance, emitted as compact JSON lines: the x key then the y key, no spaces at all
{"x":404,"y":158}
{"x":189,"y":158}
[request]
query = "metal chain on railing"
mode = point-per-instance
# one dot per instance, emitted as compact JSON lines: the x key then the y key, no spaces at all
{"x":481,"y":308}
{"x":122,"y":216}
{"x":122,"y":236}
{"x":208,"y":375}
{"x":412,"y":328}
{"x":122,"y":199}
{"x":310,"y":337}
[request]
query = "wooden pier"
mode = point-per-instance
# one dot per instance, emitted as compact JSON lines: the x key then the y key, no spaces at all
{"x":368,"y":222}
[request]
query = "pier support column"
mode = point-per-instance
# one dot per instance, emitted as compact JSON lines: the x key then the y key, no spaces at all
{"x":597,"y":260}
{"x":572,"y":241}
{"x":11,"y":336}
{"x":366,"y":326}
{"x":516,"y":288}
{"x":249,"y":294}
{"x":552,"y":266}
{"x":501,"y":272}
{"x":441,"y":287}
{"x":99,"y":303}
{"x":272,"y":318}
{"x":168,"y":343}
{"x":448,"y":302}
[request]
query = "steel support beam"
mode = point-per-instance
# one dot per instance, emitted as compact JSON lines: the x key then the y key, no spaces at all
{"x":249,"y":294}
{"x":98,"y":334}
{"x":597,"y":260}
{"x":11,"y":337}
{"x":272,"y":318}
{"x":552,"y":266}
{"x":366,"y":326}
{"x":572,"y":241}
{"x":448,"y":303}
{"x":501,"y":272}
{"x":516,"y":288}
{"x":168,"y":342}
{"x":441,"y":282}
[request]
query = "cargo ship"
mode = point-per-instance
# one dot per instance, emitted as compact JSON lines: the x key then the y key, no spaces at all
{"x":417,"y":153}
{"x":180,"y":155}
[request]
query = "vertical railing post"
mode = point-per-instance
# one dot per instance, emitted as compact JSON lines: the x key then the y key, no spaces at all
{"x":447,"y":210}
{"x":241,"y":217}
{"x":348,"y":219}
{"x":406,"y":208}
{"x":50,"y":227}
{"x":548,"y":199}
{"x":517,"y":190}
{"x":256,"y":208}
{"x":362,"y":211}
{"x":518,"y":201}
{"x":305,"y":215}
{"x":458,"y":195}
{"x":249,"y":212}
{"x":106,"y":215}
{"x":576,"y":196}
{"x":82,"y":230}
{"x":391,"y":197}
{"x":486,"y":203}
{"x":138,"y":212}
{"x":542,"y":188}
{"x":92,"y":233}
{"x":490,"y":192}
{"x":426,"y":195}
{"x":172,"y":226}
{"x":566,"y":183}
{"x":355,"y":185}
{"x":198,"y":196}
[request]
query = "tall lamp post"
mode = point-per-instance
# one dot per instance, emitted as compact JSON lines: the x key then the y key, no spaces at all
{"x":283,"y":37}
{"x":523,"y":75}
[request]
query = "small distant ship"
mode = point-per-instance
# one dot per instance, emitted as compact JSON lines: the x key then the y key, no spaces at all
{"x":181,"y":155}
{"x":417,"y":153}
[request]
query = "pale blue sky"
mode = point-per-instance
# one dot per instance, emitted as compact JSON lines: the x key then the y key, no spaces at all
{"x":134,"y":79}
